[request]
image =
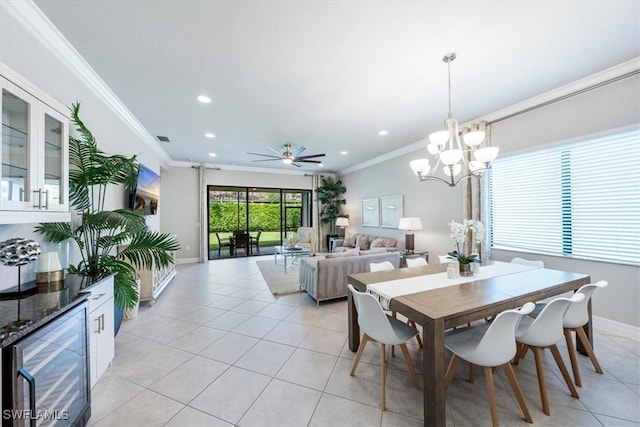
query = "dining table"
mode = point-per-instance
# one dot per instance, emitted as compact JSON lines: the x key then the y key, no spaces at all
{"x":436,"y":303}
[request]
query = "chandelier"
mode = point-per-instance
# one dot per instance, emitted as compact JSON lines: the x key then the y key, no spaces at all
{"x":445,"y":146}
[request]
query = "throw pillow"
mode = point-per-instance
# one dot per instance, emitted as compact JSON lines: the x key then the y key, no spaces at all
{"x":363,"y":242}
{"x":350,"y":241}
{"x":378,"y":242}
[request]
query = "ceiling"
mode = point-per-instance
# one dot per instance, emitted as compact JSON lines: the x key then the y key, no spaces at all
{"x":329,"y":75}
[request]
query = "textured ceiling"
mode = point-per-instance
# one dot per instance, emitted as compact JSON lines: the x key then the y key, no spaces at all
{"x":329,"y":75}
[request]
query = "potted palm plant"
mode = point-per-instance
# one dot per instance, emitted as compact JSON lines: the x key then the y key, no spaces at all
{"x":329,"y":194}
{"x":96,"y":231}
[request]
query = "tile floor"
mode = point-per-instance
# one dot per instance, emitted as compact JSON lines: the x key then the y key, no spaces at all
{"x":218,"y":349}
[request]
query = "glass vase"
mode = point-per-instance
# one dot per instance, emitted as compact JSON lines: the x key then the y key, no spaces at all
{"x":465,"y":270}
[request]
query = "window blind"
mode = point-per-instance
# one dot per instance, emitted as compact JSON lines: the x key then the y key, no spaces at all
{"x":580,"y":200}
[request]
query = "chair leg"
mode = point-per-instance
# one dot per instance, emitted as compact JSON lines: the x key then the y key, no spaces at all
{"x":518,"y":392}
{"x":393,"y":347}
{"x":542,"y":384}
{"x":451,"y":370}
{"x":383,"y":376}
{"x":572,"y":357}
{"x":472,"y":373}
{"x":365,"y":339}
{"x":412,"y":371}
{"x":522,"y":351}
{"x":582,"y":336}
{"x":563,"y":370}
{"x":491,"y":393}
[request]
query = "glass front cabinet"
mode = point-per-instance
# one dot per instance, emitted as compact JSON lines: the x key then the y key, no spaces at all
{"x":35,"y":154}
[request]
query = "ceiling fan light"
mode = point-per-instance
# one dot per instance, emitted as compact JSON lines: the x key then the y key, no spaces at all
{"x":287,"y":160}
{"x":450,"y":157}
{"x":420,"y":166}
{"x":486,"y":154}
{"x":440,"y":137}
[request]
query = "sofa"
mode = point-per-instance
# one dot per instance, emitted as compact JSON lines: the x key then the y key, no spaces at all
{"x":365,"y":242}
{"x":325,"y":278}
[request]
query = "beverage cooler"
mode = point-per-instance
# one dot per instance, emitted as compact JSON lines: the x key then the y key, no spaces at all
{"x":46,"y":374}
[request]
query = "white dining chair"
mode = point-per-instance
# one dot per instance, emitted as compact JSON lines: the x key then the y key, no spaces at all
{"x":381,"y":266}
{"x":384,"y":329}
{"x":544,"y":331}
{"x":493,"y":348}
{"x":530,"y":262}
{"x":574,"y":319}
{"x":386,"y":266}
{"x":416,"y":262}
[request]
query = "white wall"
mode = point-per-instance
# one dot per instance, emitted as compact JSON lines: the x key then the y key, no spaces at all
{"x":24,"y":54}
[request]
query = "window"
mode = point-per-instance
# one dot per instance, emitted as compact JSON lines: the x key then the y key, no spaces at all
{"x":580,"y":200}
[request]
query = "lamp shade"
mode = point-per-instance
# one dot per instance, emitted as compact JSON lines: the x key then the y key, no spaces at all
{"x":410,"y":223}
{"x":342,"y":222}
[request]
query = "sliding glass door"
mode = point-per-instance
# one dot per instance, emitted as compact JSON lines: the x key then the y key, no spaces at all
{"x":267,"y":215}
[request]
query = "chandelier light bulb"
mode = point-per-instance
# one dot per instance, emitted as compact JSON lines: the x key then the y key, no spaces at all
{"x":450,"y":157}
{"x":456,"y":169}
{"x":439,"y":138}
{"x":433,"y":149}
{"x":473,"y":138}
{"x":486,"y":154}
{"x":420,"y":166}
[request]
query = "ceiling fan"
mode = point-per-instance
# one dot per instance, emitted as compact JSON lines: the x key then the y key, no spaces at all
{"x":289,"y":157}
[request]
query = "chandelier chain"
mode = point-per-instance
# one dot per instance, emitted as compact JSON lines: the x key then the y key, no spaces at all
{"x":449,"y":69}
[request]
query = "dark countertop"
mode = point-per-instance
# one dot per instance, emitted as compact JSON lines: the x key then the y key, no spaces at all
{"x":36,"y":307}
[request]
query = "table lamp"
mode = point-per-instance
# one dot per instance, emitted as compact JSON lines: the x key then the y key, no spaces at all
{"x":342,"y":222}
{"x":410,"y":224}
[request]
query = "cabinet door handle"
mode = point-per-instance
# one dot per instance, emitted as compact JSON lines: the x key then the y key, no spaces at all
{"x":97,"y":297}
{"x":102,"y":322}
{"x":37,"y":192}
{"x":32,"y":393}
{"x":98,"y":326}
{"x":22,"y":194}
{"x":46,"y":200}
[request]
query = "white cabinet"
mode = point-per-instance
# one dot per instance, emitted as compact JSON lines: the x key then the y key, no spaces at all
{"x":34,"y":177}
{"x":101,"y":325}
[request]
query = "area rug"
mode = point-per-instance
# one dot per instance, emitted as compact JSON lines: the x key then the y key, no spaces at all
{"x":280,"y":283}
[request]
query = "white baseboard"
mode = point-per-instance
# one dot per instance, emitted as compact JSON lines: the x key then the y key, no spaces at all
{"x":187,"y":260}
{"x":616,"y":328}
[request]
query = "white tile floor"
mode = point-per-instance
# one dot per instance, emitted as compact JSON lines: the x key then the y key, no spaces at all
{"x":218,"y":349}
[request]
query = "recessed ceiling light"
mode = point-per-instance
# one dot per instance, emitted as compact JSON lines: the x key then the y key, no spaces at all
{"x":204,"y":99}
{"x":212,"y":154}
{"x":320,"y":165}
{"x":383,"y":132}
{"x":209,"y":135}
{"x":344,"y":153}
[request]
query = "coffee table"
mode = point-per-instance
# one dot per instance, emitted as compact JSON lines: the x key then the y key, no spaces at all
{"x":293,"y":253}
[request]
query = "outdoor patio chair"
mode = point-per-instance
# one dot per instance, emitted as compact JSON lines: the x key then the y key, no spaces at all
{"x":223,"y":243}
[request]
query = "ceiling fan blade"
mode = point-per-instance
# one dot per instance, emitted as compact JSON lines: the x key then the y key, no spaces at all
{"x":266,"y":160}
{"x":278,"y":152}
{"x":307,"y":161}
{"x":298,"y":166}
{"x":311,"y":156}
{"x":266,"y":155}
{"x":299,"y":151}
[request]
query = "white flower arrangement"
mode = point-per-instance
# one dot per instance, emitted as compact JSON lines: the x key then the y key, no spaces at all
{"x":459,"y":232}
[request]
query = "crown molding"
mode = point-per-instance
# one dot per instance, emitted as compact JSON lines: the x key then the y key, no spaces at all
{"x":236,"y":168}
{"x":610,"y":75}
{"x":36,"y":22}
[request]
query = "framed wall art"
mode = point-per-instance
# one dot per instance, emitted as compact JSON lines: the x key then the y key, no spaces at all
{"x":390,"y":211}
{"x":371,"y":212}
